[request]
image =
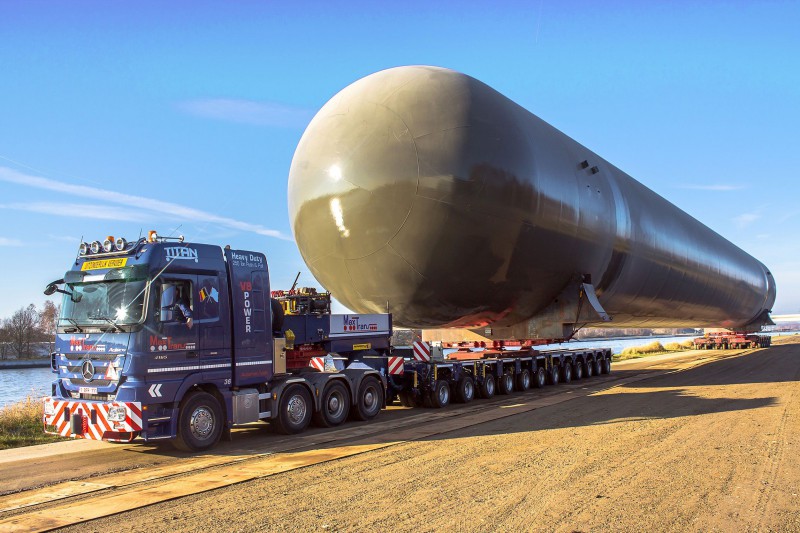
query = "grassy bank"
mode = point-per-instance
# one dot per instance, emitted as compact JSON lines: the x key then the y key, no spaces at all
{"x":654,"y":348}
{"x":21,"y":424}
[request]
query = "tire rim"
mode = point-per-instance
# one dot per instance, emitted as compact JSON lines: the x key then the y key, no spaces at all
{"x":469,"y":390}
{"x":296,"y":409}
{"x":370,"y":398}
{"x":509,"y":382}
{"x":335,"y":404}
{"x":444,"y":395}
{"x":490,"y":386}
{"x":202,"y":422}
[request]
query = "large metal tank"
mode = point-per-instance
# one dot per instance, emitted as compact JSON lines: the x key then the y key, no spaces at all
{"x":423,"y":191}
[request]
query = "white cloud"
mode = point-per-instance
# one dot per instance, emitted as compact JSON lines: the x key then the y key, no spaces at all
{"x":717,"y":187}
{"x":745,"y":219}
{"x":140,"y":204}
{"x":5,"y":241}
{"x":248,"y":112}
{"x":101,"y":212}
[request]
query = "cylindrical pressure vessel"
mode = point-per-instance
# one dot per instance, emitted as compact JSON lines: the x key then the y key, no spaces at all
{"x":423,"y":191}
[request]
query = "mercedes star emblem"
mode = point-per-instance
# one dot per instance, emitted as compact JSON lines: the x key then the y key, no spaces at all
{"x":87,"y":370}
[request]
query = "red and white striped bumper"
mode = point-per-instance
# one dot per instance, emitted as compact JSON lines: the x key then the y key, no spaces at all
{"x":94,"y":419}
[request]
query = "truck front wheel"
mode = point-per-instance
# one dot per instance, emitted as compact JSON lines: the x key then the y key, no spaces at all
{"x":295,"y":410}
{"x":369,"y":400}
{"x":199,"y":423}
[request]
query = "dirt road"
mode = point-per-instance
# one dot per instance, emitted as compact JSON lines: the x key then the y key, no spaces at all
{"x":702,"y":441}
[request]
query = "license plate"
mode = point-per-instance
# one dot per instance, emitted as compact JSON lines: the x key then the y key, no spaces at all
{"x":88,"y":390}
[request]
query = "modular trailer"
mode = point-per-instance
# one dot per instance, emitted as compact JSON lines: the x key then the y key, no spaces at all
{"x":166,"y":340}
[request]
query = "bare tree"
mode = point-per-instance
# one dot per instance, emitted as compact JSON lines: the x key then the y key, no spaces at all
{"x":48,"y":321}
{"x":23,"y":327}
{"x":5,"y":338}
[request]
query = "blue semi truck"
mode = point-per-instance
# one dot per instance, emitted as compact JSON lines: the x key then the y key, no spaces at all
{"x":168,"y":340}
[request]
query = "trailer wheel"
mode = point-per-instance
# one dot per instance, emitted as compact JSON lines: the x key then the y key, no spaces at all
{"x":199,"y":423}
{"x":541,"y":378}
{"x":335,"y":405}
{"x":553,"y":377}
{"x":487,"y":387}
{"x":566,"y":373}
{"x":440,"y":395}
{"x":406,"y":399}
{"x":524,"y":381}
{"x":587,"y":369}
{"x":577,"y":371}
{"x":605,"y":366}
{"x":294,"y":410}
{"x":369,"y":400}
{"x":596,"y":367}
{"x":465,"y":390}
{"x":506,"y":385}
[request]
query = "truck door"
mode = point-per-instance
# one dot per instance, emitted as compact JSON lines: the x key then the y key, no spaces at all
{"x":175,"y":344}
{"x":251,"y":317}
{"x":210,"y":312}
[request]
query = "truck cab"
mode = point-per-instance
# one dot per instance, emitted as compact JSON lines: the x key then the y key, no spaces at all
{"x":168,"y":340}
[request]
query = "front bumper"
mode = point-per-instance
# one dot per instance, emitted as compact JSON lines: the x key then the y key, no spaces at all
{"x":86,"y":419}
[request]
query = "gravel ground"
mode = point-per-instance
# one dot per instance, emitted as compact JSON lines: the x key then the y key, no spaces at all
{"x":712,"y":448}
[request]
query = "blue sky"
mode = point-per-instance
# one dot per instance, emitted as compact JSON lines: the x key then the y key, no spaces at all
{"x":117,"y":118}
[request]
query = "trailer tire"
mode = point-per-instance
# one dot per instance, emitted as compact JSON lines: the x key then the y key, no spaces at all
{"x":524,"y":380}
{"x":294,"y":410}
{"x":406,"y":399}
{"x":553,"y":377}
{"x":488,"y":387}
{"x":334,"y":405}
{"x":587,"y":369}
{"x":605,"y":366}
{"x":369,"y":400}
{"x":577,"y":371}
{"x":597,"y":369}
{"x":566,"y":373}
{"x":199,"y":423}
{"x":541,"y":378}
{"x":440,"y":395}
{"x":506,"y":385}
{"x":465,"y":390}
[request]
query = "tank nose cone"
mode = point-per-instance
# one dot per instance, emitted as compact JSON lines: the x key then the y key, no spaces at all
{"x":352,"y":185}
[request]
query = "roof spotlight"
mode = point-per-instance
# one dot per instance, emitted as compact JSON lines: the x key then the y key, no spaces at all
{"x":96,"y":247}
{"x":85,"y":248}
{"x":108,"y":244}
{"x":152,"y":236}
{"x":121,"y":244}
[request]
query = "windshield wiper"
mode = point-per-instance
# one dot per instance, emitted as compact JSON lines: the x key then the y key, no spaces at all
{"x":98,"y":317}
{"x":77,"y":327}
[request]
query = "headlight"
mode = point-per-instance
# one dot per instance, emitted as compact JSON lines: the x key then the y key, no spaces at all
{"x":117,"y":413}
{"x":49,"y":408}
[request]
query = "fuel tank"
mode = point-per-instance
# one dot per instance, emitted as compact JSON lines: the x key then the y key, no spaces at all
{"x":425,"y":192}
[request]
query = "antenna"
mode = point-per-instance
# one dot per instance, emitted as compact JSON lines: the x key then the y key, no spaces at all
{"x":295,"y":281}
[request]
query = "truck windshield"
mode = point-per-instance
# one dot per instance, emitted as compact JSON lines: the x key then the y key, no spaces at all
{"x":106,"y":303}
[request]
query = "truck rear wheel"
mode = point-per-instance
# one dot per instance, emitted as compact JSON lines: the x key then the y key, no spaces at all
{"x":440,"y":395}
{"x":335,"y":405}
{"x":369,"y":400}
{"x":487,"y":387}
{"x":587,"y":369}
{"x":199,"y":423}
{"x":541,"y":378}
{"x":294,"y":412}
{"x":577,"y":371}
{"x":524,"y":381}
{"x":465,"y":390}
{"x":506,"y":385}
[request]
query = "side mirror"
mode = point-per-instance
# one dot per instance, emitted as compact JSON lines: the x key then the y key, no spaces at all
{"x":168,"y":295}
{"x":50,"y":289}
